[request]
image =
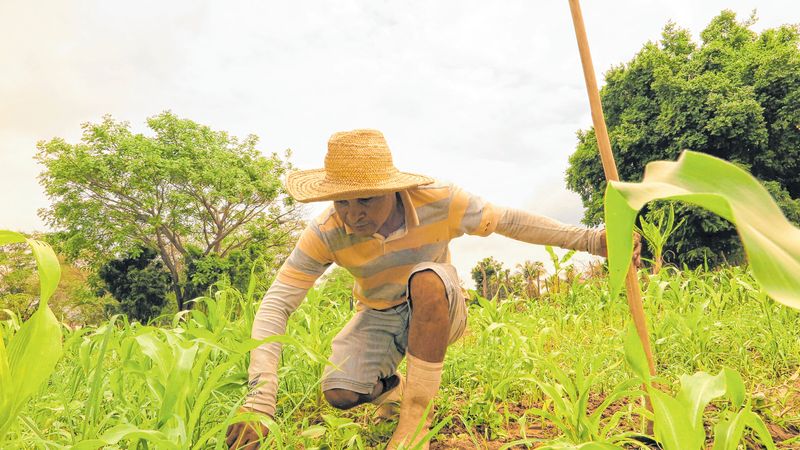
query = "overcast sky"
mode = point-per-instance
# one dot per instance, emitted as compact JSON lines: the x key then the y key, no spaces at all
{"x":488,"y":95}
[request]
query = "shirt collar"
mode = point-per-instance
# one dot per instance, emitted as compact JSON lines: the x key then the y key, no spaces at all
{"x":412,"y":220}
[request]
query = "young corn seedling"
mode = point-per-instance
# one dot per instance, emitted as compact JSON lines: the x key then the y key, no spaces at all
{"x":656,"y":233}
{"x":559,"y":266}
{"x":567,"y":405}
{"x":678,"y":420}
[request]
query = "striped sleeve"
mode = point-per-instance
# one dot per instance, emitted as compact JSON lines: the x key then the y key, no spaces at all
{"x":471,"y":214}
{"x":309,"y":259}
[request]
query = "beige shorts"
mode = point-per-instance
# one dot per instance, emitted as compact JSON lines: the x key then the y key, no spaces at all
{"x":374,"y":342}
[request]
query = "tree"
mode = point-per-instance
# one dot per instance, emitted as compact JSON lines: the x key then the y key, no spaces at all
{"x":531,"y":273}
{"x":18,"y":281}
{"x":116,"y":191}
{"x":139,"y":282}
{"x":489,"y":276}
{"x":735,"y":95}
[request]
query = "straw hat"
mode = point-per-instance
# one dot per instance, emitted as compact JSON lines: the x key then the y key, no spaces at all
{"x":358,"y":164}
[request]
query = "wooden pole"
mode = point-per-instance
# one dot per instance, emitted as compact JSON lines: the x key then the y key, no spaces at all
{"x":610,"y":170}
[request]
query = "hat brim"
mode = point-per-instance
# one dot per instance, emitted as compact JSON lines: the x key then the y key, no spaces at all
{"x":311,"y":186}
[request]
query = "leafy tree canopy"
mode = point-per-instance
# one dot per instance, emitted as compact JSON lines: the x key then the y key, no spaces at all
{"x":138,"y":282}
{"x":187,"y":184}
{"x":734,"y":95}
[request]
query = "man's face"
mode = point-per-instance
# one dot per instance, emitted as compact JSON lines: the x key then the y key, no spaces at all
{"x":365,"y":216}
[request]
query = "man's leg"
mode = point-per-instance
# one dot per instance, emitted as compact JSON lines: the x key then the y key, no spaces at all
{"x":430,"y":320}
{"x":429,"y":331}
{"x":364,"y":359}
{"x":346,"y":399}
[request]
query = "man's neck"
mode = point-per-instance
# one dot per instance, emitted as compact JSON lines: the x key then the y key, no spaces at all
{"x":396,"y":218}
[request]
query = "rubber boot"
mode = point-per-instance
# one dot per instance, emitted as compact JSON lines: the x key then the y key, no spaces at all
{"x":422,"y":384}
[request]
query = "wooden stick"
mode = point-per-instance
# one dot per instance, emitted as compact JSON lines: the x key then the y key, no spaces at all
{"x":610,"y":170}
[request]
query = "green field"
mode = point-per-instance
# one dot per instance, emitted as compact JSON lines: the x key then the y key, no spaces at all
{"x":528,"y":372}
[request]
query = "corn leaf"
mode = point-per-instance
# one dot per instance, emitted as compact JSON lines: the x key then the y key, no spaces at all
{"x":49,"y":270}
{"x":635,"y":356}
{"x":755,"y":422}
{"x":11,"y":237}
{"x":735,"y":387}
{"x":771,"y":242}
{"x":672,"y":425}
{"x":127,"y":432}
{"x":5,"y":384}
{"x":35,"y":348}
{"x":47,"y":263}
{"x":729,"y":431}
{"x":696,"y":393}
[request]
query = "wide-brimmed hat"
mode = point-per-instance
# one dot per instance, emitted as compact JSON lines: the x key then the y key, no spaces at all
{"x":358,"y":164}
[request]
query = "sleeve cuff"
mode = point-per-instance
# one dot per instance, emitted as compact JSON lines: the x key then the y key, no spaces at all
{"x":269,"y":410}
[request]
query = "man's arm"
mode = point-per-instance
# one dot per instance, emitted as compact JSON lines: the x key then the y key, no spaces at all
{"x":280,"y":301}
{"x":535,"y":229}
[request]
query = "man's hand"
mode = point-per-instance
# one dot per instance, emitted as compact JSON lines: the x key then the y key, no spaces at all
{"x":637,"y":248}
{"x":245,"y":435}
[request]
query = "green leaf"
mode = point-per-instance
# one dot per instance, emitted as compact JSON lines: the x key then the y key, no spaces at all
{"x":127,"y":432}
{"x":672,"y":425}
{"x":755,"y":422}
{"x":697,"y":391}
{"x":11,"y":237}
{"x":48,"y":267}
{"x":313,"y":432}
{"x":598,"y":446}
{"x":729,"y":431}
{"x":584,"y":446}
{"x":47,"y":262}
{"x":635,"y":356}
{"x":35,"y":349}
{"x":178,"y":383}
{"x":5,"y":384}
{"x":735,"y":387}
{"x":771,"y":242}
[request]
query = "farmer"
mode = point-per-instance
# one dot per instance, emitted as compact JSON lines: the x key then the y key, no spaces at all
{"x":391,"y":231}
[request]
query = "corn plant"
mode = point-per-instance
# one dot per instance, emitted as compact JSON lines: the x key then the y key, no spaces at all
{"x":112,"y":388}
{"x":678,"y":420}
{"x":656,"y":229}
{"x":559,"y":266}
{"x":34,"y":350}
{"x":771,"y":242}
{"x":568,"y":404}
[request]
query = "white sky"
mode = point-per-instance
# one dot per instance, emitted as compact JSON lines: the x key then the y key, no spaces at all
{"x":485,"y":94}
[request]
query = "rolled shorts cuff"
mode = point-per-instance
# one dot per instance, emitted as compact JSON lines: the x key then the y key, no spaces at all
{"x":342,"y":383}
{"x":439,"y":269}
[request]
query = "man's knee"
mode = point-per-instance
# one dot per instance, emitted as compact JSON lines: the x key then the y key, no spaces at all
{"x":342,"y":398}
{"x":426,"y":290}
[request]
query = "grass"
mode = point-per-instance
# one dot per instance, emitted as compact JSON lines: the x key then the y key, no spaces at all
{"x":528,"y":372}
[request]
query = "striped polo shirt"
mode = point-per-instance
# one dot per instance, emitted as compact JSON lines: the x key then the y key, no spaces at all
{"x":434,"y":214}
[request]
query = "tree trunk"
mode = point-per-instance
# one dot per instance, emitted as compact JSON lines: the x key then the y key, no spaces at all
{"x":173,"y":272}
{"x":176,"y":288}
{"x":483,"y":281}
